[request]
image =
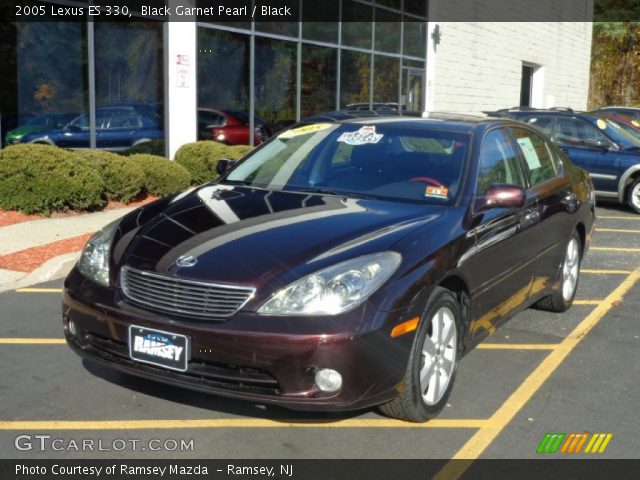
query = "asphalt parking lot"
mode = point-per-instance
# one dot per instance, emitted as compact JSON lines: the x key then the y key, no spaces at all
{"x":539,"y":373}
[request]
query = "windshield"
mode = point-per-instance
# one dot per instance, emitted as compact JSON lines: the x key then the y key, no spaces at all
{"x":617,"y":133}
{"x":628,"y":131}
{"x":379,"y":161}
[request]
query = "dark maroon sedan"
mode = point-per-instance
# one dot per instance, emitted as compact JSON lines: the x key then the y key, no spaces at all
{"x":341,"y":265}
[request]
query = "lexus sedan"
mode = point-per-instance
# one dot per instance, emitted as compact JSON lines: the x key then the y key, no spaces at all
{"x":339,"y":266}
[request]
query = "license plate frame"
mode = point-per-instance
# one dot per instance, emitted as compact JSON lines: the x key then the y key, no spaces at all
{"x":158,"y":348}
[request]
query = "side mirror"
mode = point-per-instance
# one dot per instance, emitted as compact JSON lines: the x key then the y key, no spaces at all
{"x":224,"y":165}
{"x":597,"y":144}
{"x":502,"y":196}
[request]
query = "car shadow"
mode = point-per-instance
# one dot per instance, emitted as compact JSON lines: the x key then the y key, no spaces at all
{"x":214,"y":403}
{"x":614,"y":205}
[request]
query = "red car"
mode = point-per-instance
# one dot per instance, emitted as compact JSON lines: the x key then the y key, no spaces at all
{"x":231,"y":127}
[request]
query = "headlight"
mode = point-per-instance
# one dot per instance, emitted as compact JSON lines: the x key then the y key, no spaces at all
{"x":94,"y":261}
{"x":336,"y":289}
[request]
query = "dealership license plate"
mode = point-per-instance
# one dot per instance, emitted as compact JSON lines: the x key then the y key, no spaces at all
{"x":156,"y":347}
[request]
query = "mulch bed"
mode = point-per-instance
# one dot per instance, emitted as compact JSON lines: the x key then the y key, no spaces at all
{"x":31,"y":258}
{"x":10,"y":217}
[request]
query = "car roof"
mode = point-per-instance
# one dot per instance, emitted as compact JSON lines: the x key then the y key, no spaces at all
{"x":436,"y":121}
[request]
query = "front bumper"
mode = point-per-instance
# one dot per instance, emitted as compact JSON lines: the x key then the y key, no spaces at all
{"x":251,"y":357}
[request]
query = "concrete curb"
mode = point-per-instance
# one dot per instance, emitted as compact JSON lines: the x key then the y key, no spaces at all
{"x":53,"y":269}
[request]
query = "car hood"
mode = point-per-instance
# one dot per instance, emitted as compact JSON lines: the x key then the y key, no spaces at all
{"x":26,"y":130}
{"x":250,"y":236}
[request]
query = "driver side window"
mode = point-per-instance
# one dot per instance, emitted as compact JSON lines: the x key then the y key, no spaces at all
{"x":498,"y":163}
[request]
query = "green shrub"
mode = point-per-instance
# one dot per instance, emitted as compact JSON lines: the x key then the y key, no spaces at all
{"x":162,"y":176}
{"x":123,"y":179}
{"x":42,"y":178}
{"x":201,"y":158}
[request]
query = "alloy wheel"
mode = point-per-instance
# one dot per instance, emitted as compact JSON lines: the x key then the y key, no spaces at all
{"x":439,"y":353}
{"x":635,"y":196}
{"x":570,"y":270}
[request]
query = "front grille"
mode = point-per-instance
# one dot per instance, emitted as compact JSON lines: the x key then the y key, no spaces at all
{"x":199,"y":373}
{"x":183,"y":297}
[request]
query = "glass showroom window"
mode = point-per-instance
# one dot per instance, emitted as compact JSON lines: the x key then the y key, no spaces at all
{"x":43,"y":85}
{"x":129,"y":86}
{"x":388,"y":29}
{"x":318,"y":84}
{"x":356,"y":26}
{"x":275,"y":82}
{"x":386,"y":75}
{"x":223,"y":84}
{"x":355,"y":71}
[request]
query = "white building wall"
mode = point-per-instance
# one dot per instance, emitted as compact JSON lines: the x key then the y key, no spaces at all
{"x":478,"y":65}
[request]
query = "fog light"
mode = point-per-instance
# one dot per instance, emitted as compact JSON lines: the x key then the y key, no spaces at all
{"x":328,"y":380}
{"x":72,"y":328}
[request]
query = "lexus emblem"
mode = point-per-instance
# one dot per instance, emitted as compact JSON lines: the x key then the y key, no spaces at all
{"x":186,"y":261}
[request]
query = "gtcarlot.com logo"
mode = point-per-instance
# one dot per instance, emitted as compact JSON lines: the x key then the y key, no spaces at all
{"x":574,"y":443}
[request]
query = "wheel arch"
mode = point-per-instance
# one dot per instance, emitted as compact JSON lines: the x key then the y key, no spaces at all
{"x":582,"y":233}
{"x":627,"y":179}
{"x":456,"y":284}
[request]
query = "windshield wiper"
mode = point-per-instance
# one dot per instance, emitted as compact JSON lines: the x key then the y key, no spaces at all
{"x":325,"y":191}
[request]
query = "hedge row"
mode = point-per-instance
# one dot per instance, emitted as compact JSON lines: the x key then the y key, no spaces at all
{"x":41,"y":178}
{"x":201,"y":158}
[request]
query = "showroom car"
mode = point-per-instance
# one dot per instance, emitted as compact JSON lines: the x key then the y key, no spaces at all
{"x":339,"y":266}
{"x":118,"y":128}
{"x":598,"y":143}
{"x":37,"y":124}
{"x":231,"y":127}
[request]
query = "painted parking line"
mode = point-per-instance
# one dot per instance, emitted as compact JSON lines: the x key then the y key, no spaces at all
{"x":477,"y":444}
{"x":616,"y":249}
{"x":604,"y":272}
{"x":39,"y":290}
{"x":32,"y":341}
{"x":618,"y":217}
{"x":616,"y":230}
{"x":235,"y":423}
{"x":517,"y":346}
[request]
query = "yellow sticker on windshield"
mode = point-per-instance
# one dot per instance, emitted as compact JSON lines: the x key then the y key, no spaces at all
{"x":601,"y":124}
{"x":635,"y":123}
{"x":296,"y":132}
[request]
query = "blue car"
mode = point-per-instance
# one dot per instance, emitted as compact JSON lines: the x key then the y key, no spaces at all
{"x":594,"y":142}
{"x":118,"y":128}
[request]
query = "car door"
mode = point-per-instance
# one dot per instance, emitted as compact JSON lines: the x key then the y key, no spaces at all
{"x":499,"y":271}
{"x":590,"y":149}
{"x":550,"y":187}
{"x":119,"y":131}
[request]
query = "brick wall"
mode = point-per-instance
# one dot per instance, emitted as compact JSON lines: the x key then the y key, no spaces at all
{"x":478,"y":66}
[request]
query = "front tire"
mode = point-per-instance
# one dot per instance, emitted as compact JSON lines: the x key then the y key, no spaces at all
{"x":432,"y":363}
{"x":633,"y":196}
{"x":561,"y":300}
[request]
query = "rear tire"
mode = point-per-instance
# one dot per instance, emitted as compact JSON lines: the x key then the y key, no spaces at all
{"x":633,"y":196}
{"x":561,"y":300}
{"x":432,"y":363}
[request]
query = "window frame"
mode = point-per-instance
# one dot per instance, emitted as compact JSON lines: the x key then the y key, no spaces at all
{"x":548,"y":143}
{"x":509,"y":138}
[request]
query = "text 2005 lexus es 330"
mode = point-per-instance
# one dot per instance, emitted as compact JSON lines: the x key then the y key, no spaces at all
{"x":341,"y":265}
